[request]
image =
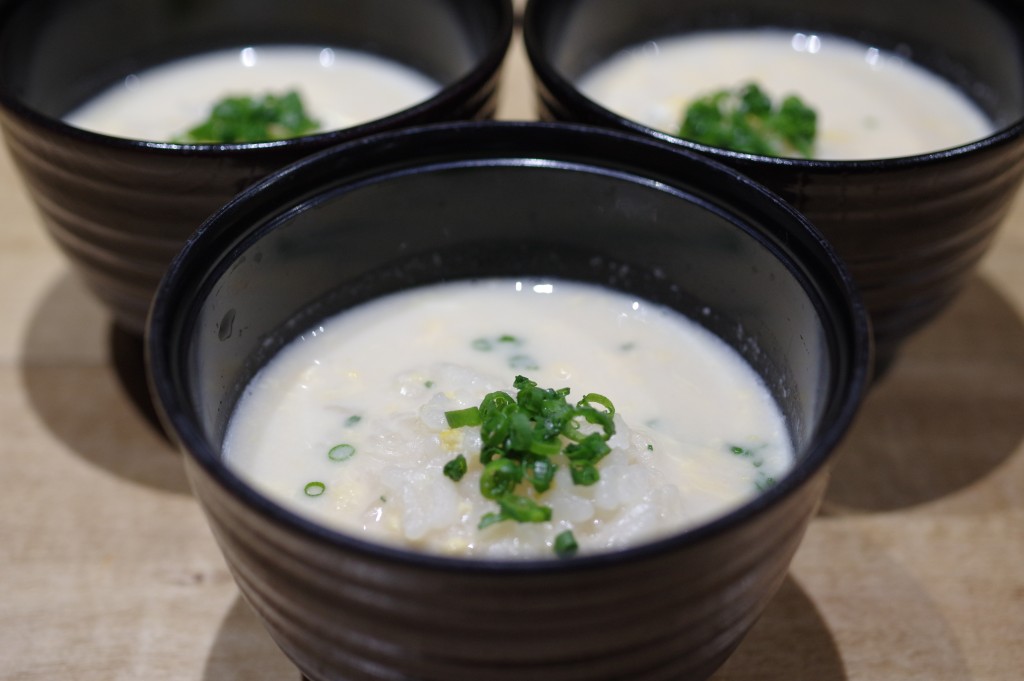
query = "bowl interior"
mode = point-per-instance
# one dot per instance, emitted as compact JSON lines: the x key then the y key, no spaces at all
{"x":506,"y":200}
{"x":974,"y":44}
{"x":56,"y":54}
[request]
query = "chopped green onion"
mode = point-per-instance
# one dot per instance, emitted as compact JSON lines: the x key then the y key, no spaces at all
{"x":518,"y":508}
{"x":459,"y":418}
{"x":314,"y":489}
{"x":341,"y":452}
{"x":597,"y":398}
{"x":539,"y":471}
{"x":523,"y":509}
{"x":353,"y":420}
{"x":565,"y":544}
{"x":456,"y":468}
{"x":488,"y":519}
{"x":521,"y":435}
{"x":243,"y":119}
{"x":591,"y":449}
{"x":750,"y":453}
{"x":584,"y":474}
{"x":500,"y":477}
{"x":522,"y":362}
{"x":745,"y":120}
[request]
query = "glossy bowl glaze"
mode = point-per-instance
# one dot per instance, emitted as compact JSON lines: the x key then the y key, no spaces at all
{"x":466,"y":200}
{"x":120,"y":209}
{"x":910,"y":229}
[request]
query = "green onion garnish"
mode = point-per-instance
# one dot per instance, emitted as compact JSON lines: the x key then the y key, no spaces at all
{"x":341,"y":452}
{"x":481,"y":344}
{"x":522,"y":362}
{"x":745,"y":120}
{"x":470,"y":416}
{"x":521,"y":435}
{"x":565,"y":544}
{"x":518,"y":508}
{"x":500,"y":477}
{"x":752,"y":454}
{"x":314,"y":489}
{"x":456,"y":468}
{"x":243,"y":119}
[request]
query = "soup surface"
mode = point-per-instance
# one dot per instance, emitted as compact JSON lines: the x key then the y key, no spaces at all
{"x":870,"y":103}
{"x":347,"y":425}
{"x":340,"y":88}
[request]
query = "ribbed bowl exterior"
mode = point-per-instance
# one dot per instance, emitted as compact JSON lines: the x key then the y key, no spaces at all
{"x":344,"y":615}
{"x":466,"y":200}
{"x":911,"y":233}
{"x":911,"y":230}
{"x":120,"y":213}
{"x":120,"y":210}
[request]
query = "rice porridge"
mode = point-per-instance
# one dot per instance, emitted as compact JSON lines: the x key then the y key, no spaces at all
{"x":340,"y":87}
{"x":350,"y":425}
{"x":870,"y":103}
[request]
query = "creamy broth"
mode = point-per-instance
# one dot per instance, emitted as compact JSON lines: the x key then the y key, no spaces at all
{"x":870,"y":103}
{"x":380,"y":377}
{"x":340,"y":88}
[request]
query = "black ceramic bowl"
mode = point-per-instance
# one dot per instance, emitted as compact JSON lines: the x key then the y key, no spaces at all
{"x":468,"y":200}
{"x":910,"y":229}
{"x":121,"y":209}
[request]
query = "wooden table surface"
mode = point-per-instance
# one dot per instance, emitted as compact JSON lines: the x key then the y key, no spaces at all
{"x":914,"y":570}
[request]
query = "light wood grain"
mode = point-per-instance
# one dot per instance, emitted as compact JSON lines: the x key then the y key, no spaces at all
{"x":914,"y":571}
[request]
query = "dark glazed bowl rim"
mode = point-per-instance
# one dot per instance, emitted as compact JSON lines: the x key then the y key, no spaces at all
{"x":205,"y":249}
{"x":566,"y":91}
{"x":446,"y":97}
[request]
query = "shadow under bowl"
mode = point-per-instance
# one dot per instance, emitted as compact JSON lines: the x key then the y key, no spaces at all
{"x":911,"y":229}
{"x":120,"y":209}
{"x":470,"y":200}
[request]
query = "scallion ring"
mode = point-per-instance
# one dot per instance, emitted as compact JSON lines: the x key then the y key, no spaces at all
{"x":314,"y":489}
{"x":341,"y":452}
